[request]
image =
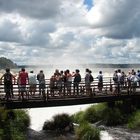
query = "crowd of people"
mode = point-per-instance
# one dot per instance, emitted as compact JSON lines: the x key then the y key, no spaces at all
{"x":130,"y":80}
{"x":22,"y":80}
{"x":63,"y":82}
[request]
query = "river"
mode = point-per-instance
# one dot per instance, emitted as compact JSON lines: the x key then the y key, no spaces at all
{"x":40,"y":115}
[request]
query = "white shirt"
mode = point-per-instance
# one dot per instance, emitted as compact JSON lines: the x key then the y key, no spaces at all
{"x":32,"y":78}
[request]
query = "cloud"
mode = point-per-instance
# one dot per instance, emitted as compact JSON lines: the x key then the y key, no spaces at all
{"x":67,"y":32}
{"x":116,"y":19}
{"x":9,"y":32}
{"x":41,"y":9}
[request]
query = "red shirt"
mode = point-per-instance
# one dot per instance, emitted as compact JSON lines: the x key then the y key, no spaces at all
{"x":23,"y":78}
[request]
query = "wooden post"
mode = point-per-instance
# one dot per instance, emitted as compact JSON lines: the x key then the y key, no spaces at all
{"x":110,"y":85}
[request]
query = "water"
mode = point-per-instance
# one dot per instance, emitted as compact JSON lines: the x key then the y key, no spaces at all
{"x":40,"y":115}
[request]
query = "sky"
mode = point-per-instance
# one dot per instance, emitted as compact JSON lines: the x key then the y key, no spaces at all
{"x":70,"y":31}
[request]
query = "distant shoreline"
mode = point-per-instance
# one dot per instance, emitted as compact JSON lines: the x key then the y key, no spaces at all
{"x":85,"y":65}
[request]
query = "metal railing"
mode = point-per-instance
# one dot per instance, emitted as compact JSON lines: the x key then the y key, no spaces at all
{"x":71,"y":90}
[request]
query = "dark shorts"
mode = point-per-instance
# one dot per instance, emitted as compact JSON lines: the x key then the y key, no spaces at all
{"x":42,"y":86}
{"x":100,"y":85}
{"x":8,"y":88}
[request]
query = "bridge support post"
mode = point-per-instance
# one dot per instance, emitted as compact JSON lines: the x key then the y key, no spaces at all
{"x":111,"y":85}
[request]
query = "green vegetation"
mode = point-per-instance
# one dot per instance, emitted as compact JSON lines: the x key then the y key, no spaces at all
{"x":87,"y":132}
{"x":92,"y":114}
{"x":134,"y":120}
{"x":61,"y":123}
{"x":78,"y":117}
{"x":110,"y":114}
{"x":13,"y":124}
{"x":6,"y":63}
{"x":119,"y":113}
{"x":113,"y":117}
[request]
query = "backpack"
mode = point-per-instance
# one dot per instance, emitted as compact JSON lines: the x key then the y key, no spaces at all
{"x":115,"y":78}
{"x":7,"y":78}
{"x":91,"y":79}
{"x":77,"y":78}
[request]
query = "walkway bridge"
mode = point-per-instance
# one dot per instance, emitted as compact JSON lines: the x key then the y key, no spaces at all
{"x":56,"y":97}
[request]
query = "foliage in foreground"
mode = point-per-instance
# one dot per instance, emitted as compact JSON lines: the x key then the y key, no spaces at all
{"x":13,"y":124}
{"x":78,"y":117}
{"x":134,"y":121}
{"x":111,"y":116}
{"x":92,"y":114}
{"x":60,"y":123}
{"x":87,"y":132}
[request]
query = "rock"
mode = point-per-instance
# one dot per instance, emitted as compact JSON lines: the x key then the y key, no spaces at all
{"x":45,"y":135}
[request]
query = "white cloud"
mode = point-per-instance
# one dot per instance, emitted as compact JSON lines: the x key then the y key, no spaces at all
{"x":60,"y":31}
{"x":116,"y":18}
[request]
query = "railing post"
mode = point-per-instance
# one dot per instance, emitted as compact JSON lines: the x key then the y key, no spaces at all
{"x":64,"y":91}
{"x":110,"y":85}
{"x":47,"y":94}
{"x":106,"y":89}
{"x":94,"y":91}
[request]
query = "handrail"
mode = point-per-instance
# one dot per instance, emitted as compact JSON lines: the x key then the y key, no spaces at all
{"x":65,"y":91}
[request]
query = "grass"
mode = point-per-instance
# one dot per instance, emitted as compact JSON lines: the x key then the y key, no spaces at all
{"x":87,"y":132}
{"x":13,"y":124}
{"x":134,"y":120}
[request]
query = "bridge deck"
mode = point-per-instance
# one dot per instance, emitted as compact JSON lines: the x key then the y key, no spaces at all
{"x":55,"y":98}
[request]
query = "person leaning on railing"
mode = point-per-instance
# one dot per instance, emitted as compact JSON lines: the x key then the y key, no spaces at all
{"x":76,"y":81}
{"x":100,"y":81}
{"x":87,"y":81}
{"x":23,"y":80}
{"x":41,"y":80}
{"x":8,"y":83}
{"x":32,"y":83}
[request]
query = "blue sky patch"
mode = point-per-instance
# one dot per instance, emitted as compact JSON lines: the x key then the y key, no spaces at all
{"x":89,"y":4}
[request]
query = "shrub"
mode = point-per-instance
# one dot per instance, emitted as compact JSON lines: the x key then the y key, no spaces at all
{"x":22,"y":119}
{"x":13,"y":124}
{"x":49,"y":125}
{"x":61,"y":123}
{"x":134,"y":121}
{"x":113,"y":116}
{"x":86,"y":132}
{"x":78,"y":117}
{"x":92,"y":114}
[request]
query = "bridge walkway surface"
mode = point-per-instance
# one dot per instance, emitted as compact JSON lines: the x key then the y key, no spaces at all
{"x":56,"y":97}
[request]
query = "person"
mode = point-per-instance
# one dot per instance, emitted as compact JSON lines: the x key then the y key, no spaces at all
{"x":69,"y":81}
{"x":32,"y":83}
{"x":52,"y":84}
{"x":134,"y":80}
{"x":62,"y":76}
{"x":8,"y":83}
{"x":41,"y":80}
{"x":129,"y":81}
{"x":100,"y":81}
{"x":115,"y":80}
{"x":22,"y":83}
{"x":122,"y":79}
{"x":87,"y":81}
{"x":65,"y":83}
{"x":77,"y":80}
{"x":138,"y":75}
